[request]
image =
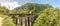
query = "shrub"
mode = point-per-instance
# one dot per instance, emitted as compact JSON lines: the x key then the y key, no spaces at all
{"x":8,"y":22}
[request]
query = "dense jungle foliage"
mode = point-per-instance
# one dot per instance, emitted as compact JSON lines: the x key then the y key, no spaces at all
{"x":47,"y":14}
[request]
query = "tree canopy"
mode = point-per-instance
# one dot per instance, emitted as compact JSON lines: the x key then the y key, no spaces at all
{"x":32,"y":8}
{"x":47,"y":14}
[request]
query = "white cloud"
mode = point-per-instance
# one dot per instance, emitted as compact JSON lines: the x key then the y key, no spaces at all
{"x":6,"y":0}
{"x":10,"y":5}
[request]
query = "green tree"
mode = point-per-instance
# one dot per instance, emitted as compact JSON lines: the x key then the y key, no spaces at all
{"x":48,"y":17}
{"x":32,"y":8}
{"x":3,"y":10}
{"x":8,"y":22}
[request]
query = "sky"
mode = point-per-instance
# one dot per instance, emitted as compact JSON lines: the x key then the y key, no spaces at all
{"x":15,"y":3}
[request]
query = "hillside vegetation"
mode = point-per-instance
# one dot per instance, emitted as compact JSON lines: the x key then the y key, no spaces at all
{"x":47,"y":14}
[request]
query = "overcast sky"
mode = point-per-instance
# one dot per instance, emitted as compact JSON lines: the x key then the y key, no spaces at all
{"x":15,"y":3}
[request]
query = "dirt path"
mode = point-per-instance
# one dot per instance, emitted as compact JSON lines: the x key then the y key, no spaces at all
{"x":1,"y":19}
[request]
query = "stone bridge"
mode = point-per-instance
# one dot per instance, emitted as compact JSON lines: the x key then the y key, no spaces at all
{"x":22,"y":19}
